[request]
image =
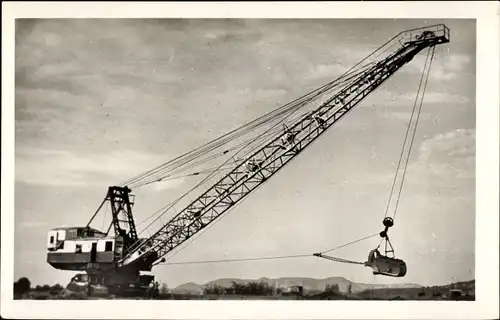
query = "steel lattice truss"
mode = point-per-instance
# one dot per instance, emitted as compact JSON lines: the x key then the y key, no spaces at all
{"x":274,"y":155}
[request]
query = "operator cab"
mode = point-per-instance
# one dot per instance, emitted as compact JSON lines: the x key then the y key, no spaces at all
{"x":74,"y":248}
{"x":57,"y":236}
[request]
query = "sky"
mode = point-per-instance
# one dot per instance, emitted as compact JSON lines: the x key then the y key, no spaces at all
{"x":100,"y":101}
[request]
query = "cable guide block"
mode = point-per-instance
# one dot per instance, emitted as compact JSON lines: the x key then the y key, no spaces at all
{"x":388,"y":222}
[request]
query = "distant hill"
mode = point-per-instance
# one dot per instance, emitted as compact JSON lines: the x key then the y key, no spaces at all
{"x":189,"y":288}
{"x":309,"y":284}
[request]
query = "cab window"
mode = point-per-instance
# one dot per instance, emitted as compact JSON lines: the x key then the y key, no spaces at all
{"x":109,"y":246}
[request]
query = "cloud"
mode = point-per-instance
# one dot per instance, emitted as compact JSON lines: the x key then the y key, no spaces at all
{"x":459,"y":142}
{"x":456,"y":62}
{"x":166,"y":184}
{"x":33,"y":224}
{"x":436,"y":97}
{"x":446,"y":68}
{"x":442,"y":161}
{"x":326,"y":71}
{"x":430,"y":97}
{"x":59,"y":167}
{"x":447,"y":157}
{"x":89,"y":82}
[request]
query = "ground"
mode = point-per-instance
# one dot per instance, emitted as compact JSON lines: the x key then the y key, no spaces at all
{"x":467,"y":291}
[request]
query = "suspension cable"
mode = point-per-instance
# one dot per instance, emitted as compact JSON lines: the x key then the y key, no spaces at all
{"x":300,"y":104}
{"x":426,"y":76}
{"x":228,"y":136}
{"x":414,"y":132}
{"x":168,"y":206}
{"x":178,"y":166}
{"x":356,"y":70}
{"x":104,"y":218}
{"x":195,"y":164}
{"x":135,"y":245}
{"x":423,"y":80}
{"x":197,"y":173}
{"x":183,"y":160}
{"x":289,"y":108}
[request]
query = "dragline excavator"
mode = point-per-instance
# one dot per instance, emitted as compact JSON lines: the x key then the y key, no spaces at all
{"x":120,"y":257}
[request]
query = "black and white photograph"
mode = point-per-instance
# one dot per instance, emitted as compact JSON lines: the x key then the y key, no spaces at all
{"x":248,"y":159}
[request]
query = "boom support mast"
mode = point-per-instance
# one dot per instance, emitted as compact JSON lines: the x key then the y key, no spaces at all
{"x":270,"y":158}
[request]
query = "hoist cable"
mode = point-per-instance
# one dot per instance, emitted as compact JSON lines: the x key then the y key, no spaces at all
{"x":414,"y":132}
{"x":406,"y":136}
